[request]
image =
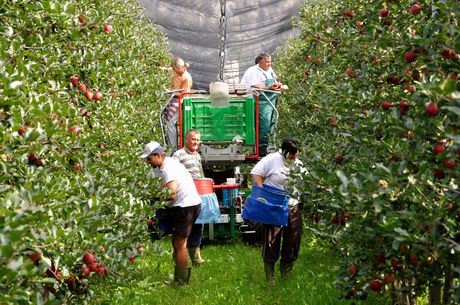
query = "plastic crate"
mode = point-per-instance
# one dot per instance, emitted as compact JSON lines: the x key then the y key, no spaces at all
{"x":220,"y":123}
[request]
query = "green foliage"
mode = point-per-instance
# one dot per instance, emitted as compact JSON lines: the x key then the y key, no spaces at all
{"x":71,"y":178}
{"x":372,"y":166}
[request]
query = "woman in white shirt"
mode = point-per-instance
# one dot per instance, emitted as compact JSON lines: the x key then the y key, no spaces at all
{"x":273,"y":170}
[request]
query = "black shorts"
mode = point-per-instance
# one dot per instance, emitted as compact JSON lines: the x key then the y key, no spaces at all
{"x":183,"y":220}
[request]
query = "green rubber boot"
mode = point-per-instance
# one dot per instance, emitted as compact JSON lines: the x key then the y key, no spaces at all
{"x":182,"y":275}
{"x":285,"y":268}
{"x":195,"y":256}
{"x":269,"y":272}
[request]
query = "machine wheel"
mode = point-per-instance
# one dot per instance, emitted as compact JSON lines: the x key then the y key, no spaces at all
{"x":252,"y":232}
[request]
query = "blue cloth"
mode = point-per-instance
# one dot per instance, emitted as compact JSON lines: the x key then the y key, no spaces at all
{"x":210,"y":211}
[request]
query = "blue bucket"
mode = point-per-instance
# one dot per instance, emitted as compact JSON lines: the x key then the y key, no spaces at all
{"x":269,"y":194}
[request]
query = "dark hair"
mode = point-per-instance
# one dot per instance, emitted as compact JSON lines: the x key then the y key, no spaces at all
{"x":262,"y":56}
{"x":289,"y":146}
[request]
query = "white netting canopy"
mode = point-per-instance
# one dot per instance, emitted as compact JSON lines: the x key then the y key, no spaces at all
{"x":221,"y":38}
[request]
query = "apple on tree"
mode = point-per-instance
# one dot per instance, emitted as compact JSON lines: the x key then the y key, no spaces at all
{"x":108,"y":28}
{"x":74,"y":80}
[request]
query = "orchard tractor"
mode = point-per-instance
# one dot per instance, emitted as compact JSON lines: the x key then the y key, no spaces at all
{"x":236,"y":128}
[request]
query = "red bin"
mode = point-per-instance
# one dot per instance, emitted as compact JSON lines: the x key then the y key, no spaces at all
{"x":204,"y":186}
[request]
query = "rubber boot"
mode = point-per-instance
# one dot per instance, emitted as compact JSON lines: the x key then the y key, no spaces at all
{"x":285,"y":268}
{"x":182,"y":275}
{"x":195,"y":256}
{"x":269,"y":272}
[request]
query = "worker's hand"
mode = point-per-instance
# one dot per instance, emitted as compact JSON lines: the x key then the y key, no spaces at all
{"x":275,"y":86}
{"x":284,"y":87}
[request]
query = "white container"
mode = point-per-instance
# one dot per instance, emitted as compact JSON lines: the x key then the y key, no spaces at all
{"x":231,"y":180}
{"x":218,"y":94}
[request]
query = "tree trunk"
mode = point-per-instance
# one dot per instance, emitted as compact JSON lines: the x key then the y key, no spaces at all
{"x":405,"y":292}
{"x":435,"y":285}
{"x":412,"y":294}
{"x":395,"y":294}
{"x":448,"y":281}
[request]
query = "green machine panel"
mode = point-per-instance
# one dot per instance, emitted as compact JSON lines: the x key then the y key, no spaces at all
{"x":220,"y":123}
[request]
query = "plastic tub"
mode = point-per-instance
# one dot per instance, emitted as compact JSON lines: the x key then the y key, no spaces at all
{"x":204,"y":186}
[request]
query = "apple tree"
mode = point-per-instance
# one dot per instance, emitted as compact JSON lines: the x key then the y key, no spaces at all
{"x":80,"y":85}
{"x":374,"y":97}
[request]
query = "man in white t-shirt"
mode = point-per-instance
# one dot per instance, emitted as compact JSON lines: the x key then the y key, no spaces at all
{"x":185,"y":203}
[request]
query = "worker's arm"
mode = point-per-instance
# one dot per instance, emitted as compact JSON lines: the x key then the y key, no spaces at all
{"x":172,"y":186}
{"x":256,"y":179}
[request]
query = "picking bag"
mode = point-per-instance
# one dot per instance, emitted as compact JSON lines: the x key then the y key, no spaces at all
{"x":267,"y":205}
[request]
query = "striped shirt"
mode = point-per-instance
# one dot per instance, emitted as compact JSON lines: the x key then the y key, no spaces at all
{"x":191,"y":161}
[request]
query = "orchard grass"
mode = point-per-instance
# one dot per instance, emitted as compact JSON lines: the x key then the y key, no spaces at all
{"x":233,"y":275}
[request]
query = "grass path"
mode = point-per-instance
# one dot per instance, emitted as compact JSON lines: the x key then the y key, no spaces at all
{"x":234,"y":275}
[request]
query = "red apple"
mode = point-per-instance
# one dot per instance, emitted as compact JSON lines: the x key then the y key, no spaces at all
{"x":77,"y":166}
{"x":438,"y":173}
{"x":384,"y":12}
{"x":438,"y":148}
{"x":149,"y":222}
{"x":141,"y":249}
{"x":410,"y":88}
{"x":74,"y":80}
{"x":415,"y":9}
{"x":449,"y":164}
{"x":82,"y":19}
{"x":74,"y":129}
{"x":82,"y":87}
{"x":351,"y":292}
{"x":431,"y":109}
{"x":132,"y":258}
{"x":393,"y":79}
{"x":332,"y":122}
{"x":338,"y":158}
{"x":308,"y":58}
{"x":386,"y":105}
{"x":85,"y":272}
{"x":101,"y":271}
{"x":448,"y":54}
{"x":375,"y":285}
{"x":349,"y":14}
{"x":93,"y":266}
{"x":380,"y":258}
{"x":22,"y":130}
{"x":410,"y":56}
{"x":88,"y":95}
{"x":414,"y":259}
{"x":388,"y":22}
{"x":71,"y":280}
{"x":403,"y":107}
{"x":88,"y":258}
{"x":108,"y":28}
{"x":97,"y":95}
{"x":35,"y":257}
{"x":353,"y":269}
{"x":349,"y":72}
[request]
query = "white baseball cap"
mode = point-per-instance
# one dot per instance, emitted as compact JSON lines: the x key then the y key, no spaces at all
{"x":152,"y":148}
